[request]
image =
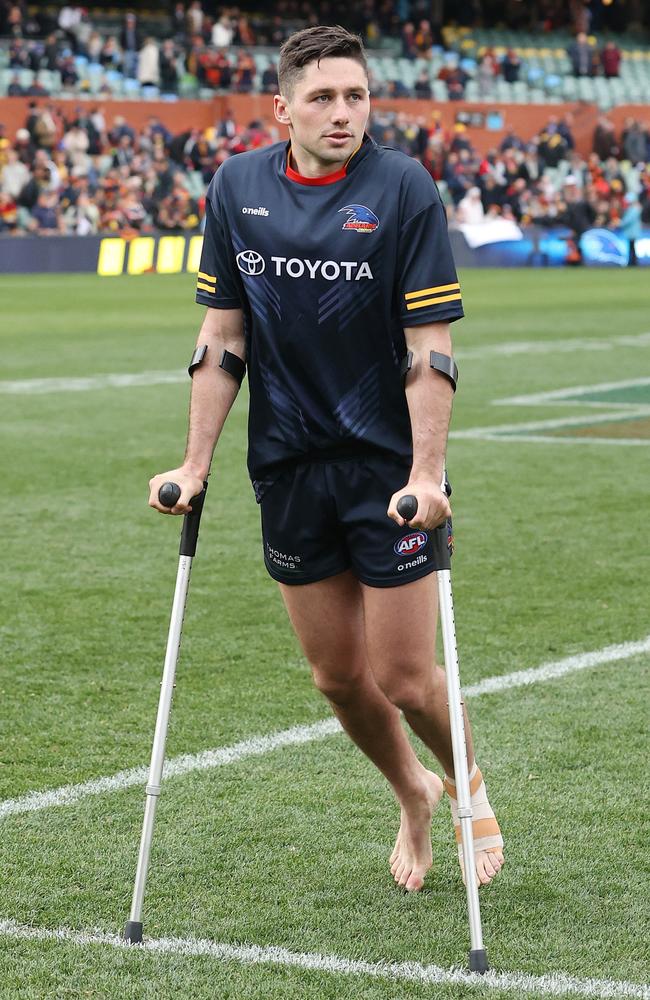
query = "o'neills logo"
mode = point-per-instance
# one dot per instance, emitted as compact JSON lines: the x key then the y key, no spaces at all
{"x":260,"y":210}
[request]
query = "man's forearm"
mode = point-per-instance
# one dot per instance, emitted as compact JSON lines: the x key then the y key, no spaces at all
{"x":213,"y":390}
{"x":429,"y":397}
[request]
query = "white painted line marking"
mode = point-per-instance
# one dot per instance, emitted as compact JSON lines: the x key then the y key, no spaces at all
{"x":478,"y":435}
{"x":555,"y":422}
{"x":566,"y":395}
{"x":256,"y":746}
{"x":552,"y":984}
{"x":89,"y":383}
{"x":564,"y":346}
{"x":38,"y":386}
{"x":260,"y":745}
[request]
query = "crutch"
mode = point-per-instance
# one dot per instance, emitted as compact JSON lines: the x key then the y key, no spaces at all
{"x":407,"y":508}
{"x":168,"y":495}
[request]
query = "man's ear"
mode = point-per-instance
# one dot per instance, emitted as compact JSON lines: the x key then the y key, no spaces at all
{"x":281,"y":110}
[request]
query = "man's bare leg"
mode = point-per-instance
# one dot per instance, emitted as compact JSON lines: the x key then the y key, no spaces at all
{"x":328,"y":619}
{"x":400,"y":641}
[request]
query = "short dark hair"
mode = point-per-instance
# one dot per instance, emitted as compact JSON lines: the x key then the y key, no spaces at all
{"x":312,"y":45}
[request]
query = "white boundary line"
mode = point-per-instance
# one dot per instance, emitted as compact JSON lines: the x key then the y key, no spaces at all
{"x":478,"y":434}
{"x":260,"y":745}
{"x":566,"y":395}
{"x":565,"y":346}
{"x":38,"y":386}
{"x":552,"y":984}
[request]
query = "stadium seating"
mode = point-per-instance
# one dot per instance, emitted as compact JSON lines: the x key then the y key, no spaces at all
{"x":545,"y":74}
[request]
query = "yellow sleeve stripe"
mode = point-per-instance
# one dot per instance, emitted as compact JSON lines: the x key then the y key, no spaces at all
{"x":432,"y":291}
{"x":207,"y":277}
{"x":206,"y":288}
{"x":434,"y":302}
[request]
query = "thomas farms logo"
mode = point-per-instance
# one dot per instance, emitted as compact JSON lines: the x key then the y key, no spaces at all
{"x":409,"y":545}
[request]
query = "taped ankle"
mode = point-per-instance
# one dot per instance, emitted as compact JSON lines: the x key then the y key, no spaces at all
{"x":487,"y":835}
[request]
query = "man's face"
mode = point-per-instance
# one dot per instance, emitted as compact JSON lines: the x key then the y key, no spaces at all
{"x":328,"y":110}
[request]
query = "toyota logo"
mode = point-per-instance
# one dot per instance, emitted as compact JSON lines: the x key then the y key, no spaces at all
{"x":250,"y":262}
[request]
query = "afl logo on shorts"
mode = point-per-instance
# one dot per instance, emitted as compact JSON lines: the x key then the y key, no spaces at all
{"x":250,"y":262}
{"x":409,"y":545}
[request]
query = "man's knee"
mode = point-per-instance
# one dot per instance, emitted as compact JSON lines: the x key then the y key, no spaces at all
{"x":338,"y":684}
{"x":410,"y":689}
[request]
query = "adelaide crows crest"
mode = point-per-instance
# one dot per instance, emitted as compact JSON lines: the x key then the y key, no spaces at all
{"x":360,"y":219}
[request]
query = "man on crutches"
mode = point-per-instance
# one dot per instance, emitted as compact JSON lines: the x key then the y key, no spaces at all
{"x":327,"y":269}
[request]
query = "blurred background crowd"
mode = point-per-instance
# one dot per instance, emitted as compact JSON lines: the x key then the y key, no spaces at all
{"x":186,"y":44}
{"x":67,"y":171}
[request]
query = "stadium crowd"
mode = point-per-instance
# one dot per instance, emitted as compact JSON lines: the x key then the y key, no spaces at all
{"x":72,"y":173}
{"x":197,"y":46}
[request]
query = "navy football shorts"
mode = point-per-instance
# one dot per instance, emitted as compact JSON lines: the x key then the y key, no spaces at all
{"x":320,"y":518}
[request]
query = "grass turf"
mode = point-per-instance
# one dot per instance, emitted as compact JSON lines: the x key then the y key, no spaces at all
{"x":290,"y":849}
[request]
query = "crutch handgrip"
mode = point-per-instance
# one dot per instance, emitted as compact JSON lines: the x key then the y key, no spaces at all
{"x":407,"y":507}
{"x":169,"y":495}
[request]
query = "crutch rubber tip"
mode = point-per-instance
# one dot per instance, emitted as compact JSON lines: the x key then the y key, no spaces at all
{"x":478,"y":961}
{"x":133,"y":932}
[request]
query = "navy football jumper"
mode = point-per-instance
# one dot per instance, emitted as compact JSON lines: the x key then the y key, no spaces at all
{"x":328,"y":271}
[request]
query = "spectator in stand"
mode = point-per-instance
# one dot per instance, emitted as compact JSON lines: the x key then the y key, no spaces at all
{"x":75,"y":142}
{"x":82,"y":217}
{"x":110,"y":56}
{"x":14,"y":175}
{"x":422,"y":86}
{"x":36,"y":89}
{"x":630,"y":224}
{"x":244,"y":73}
{"x":488,"y":70}
{"x":15,"y":88}
{"x":581,"y":54}
{"x":551,"y":148}
{"x":223,"y":32}
{"x":424,"y":39}
{"x":270,"y":78}
{"x":130,"y":42}
{"x":245,"y":33}
{"x":149,"y":64}
{"x":194,"y":18}
{"x":8,"y":213}
{"x":168,"y":67}
{"x":94,"y":46}
{"x":634,"y":142}
{"x":511,"y":141}
{"x":455,"y":80}
{"x":178,"y":23}
{"x":124,"y":153}
{"x":51,"y":52}
{"x":69,"y":21}
{"x":604,"y":140}
{"x":574,"y":211}
{"x":565,"y":128}
{"x":610,"y":60}
{"x":46,"y":220}
{"x":511,"y":66}
{"x":469,"y":210}
{"x":68,"y":70}
{"x":409,"y":47}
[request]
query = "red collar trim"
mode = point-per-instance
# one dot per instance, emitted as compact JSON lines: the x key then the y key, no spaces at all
{"x":293,"y":175}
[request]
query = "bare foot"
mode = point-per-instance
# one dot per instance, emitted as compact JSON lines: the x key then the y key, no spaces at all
{"x":411,"y":857}
{"x":487,"y":864}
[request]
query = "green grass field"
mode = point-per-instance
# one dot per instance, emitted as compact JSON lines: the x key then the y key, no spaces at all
{"x":288,"y":848}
